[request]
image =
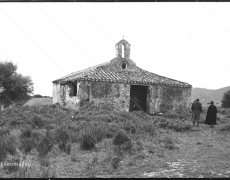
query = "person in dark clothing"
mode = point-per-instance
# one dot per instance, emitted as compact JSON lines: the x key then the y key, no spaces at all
{"x":211,"y":115}
{"x":196,"y":110}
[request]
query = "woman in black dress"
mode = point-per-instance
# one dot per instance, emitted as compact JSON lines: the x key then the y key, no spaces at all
{"x":211,"y":115}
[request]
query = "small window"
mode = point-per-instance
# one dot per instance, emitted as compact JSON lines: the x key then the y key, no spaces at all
{"x":123,"y":65}
{"x":73,"y":91}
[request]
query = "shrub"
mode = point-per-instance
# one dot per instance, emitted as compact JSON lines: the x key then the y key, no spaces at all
{"x":26,"y":132}
{"x":176,"y":114}
{"x":87,"y":141}
{"x":228,"y":112}
{"x":148,"y":127}
{"x":110,"y":131}
{"x":222,"y":111}
{"x":44,"y":146}
{"x":26,"y":141}
{"x":180,"y":126}
{"x":129,"y":127}
{"x":120,"y":139}
{"x":38,"y":121}
{"x":26,"y":145}
{"x":115,"y":162}
{"x":168,"y":143}
{"x":225,"y":102}
{"x":11,"y":145}
{"x":74,"y":136}
{"x":62,"y":135}
{"x":44,"y":162}
{"x":98,"y":132}
{"x":7,"y":146}
{"x":122,"y":142}
{"x":176,"y":124}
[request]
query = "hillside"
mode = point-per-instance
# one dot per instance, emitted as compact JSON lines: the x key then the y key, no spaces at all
{"x":207,"y":95}
{"x":39,"y":101}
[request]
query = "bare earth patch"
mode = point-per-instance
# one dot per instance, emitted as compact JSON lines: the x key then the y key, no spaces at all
{"x":204,"y":152}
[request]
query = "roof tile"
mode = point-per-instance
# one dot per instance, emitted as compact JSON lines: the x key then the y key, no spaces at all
{"x":138,"y":76}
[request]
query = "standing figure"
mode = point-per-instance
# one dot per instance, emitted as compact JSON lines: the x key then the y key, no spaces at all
{"x":196,"y":110}
{"x":211,"y":115}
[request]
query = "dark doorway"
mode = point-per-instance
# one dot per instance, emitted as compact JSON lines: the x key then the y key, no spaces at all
{"x":139,"y":95}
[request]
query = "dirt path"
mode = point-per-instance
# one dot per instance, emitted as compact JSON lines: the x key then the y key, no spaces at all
{"x":203,"y":152}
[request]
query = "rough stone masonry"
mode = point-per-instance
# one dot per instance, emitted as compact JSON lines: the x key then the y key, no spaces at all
{"x":119,"y":82}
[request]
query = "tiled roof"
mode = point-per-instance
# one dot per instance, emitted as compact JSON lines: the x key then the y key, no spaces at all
{"x":138,"y":76}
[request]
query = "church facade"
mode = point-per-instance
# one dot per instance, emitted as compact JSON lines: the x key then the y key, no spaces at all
{"x":122,"y":84}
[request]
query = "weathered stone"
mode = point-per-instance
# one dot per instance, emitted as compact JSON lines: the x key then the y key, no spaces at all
{"x":159,"y":98}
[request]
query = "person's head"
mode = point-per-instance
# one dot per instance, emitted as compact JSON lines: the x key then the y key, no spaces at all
{"x":212,"y":102}
{"x":197,"y":100}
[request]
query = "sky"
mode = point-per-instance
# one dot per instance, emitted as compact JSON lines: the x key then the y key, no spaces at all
{"x":189,"y":42}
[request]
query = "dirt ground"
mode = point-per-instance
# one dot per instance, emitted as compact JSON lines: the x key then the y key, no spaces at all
{"x":203,"y":152}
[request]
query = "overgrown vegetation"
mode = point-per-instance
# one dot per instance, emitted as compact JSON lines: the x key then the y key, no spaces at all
{"x":50,"y":132}
{"x":225,"y":102}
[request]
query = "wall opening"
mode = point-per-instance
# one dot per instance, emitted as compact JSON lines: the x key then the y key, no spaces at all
{"x":123,"y":65}
{"x":73,"y":91}
{"x":138,"y":94}
{"x":123,"y":51}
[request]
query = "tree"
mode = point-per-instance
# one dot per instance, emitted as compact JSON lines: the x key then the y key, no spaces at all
{"x":37,"y":96}
{"x":14,"y":86}
{"x":226,"y":100}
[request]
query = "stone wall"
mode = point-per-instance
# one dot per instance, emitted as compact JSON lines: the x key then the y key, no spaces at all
{"x":162,"y":98}
{"x":118,"y":95}
{"x":159,"y":98}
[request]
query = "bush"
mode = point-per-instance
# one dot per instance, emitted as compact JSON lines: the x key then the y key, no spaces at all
{"x":7,"y":146}
{"x":110,"y":131}
{"x":26,"y":132}
{"x":87,"y":141}
{"x":74,"y":136}
{"x":44,"y":146}
{"x":26,"y":141}
{"x":122,"y":142}
{"x":178,"y":125}
{"x":225,"y":102}
{"x":228,"y":112}
{"x":38,"y":121}
{"x":62,"y":135}
{"x":176,"y":114}
{"x":120,"y":139}
{"x":148,"y":127}
{"x":168,"y":143}
{"x":98,"y":132}
{"x":222,"y":111}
